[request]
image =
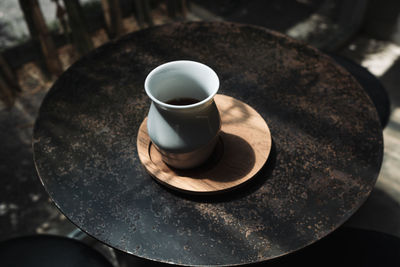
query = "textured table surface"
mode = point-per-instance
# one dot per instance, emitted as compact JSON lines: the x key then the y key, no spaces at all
{"x":325,"y":158}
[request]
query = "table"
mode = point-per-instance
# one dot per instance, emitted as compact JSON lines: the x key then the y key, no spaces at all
{"x":325,"y":158}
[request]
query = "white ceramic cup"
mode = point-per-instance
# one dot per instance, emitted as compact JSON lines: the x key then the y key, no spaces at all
{"x":185,"y":135}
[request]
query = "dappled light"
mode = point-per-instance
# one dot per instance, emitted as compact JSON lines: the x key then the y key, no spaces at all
{"x":310,"y":105}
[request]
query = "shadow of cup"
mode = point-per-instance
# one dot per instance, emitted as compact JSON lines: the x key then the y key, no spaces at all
{"x":232,"y":159}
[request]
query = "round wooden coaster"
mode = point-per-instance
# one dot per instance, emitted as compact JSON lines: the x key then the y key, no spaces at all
{"x":243,"y":148}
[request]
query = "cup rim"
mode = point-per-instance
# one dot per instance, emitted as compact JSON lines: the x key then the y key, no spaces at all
{"x":176,"y":62}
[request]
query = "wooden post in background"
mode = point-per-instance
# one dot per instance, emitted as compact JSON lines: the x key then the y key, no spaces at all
{"x":39,"y":31}
{"x":77,"y":23}
{"x":172,"y":8}
{"x":61,"y":16}
{"x":113,"y":17}
{"x":177,"y":8}
{"x":147,"y":13}
{"x":26,"y":7}
{"x":8,"y":74}
{"x":143,"y":13}
{"x":9,"y":87}
{"x":6,"y":93}
{"x":184,"y":8}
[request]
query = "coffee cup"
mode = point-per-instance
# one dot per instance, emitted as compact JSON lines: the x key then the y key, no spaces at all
{"x":183,"y":121}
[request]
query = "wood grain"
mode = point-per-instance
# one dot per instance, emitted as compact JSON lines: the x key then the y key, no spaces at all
{"x":243,"y":149}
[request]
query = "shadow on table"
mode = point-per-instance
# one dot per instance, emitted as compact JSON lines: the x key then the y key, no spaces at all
{"x":239,"y":192}
{"x":344,"y":247}
{"x":228,"y":156}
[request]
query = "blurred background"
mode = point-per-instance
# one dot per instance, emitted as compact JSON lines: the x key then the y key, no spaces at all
{"x":39,"y":39}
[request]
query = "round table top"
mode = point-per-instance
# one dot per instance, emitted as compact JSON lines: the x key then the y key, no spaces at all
{"x":325,"y":158}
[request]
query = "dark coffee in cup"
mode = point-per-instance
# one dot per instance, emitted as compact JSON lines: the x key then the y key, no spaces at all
{"x":182,"y":101}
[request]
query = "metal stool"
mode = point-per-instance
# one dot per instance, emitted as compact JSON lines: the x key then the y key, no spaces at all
{"x":346,"y":247}
{"x":49,"y":251}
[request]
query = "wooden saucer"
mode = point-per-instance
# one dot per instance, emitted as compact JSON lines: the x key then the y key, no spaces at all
{"x":243,"y":148}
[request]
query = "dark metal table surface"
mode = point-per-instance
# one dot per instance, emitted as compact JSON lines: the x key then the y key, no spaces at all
{"x":326,"y":154}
